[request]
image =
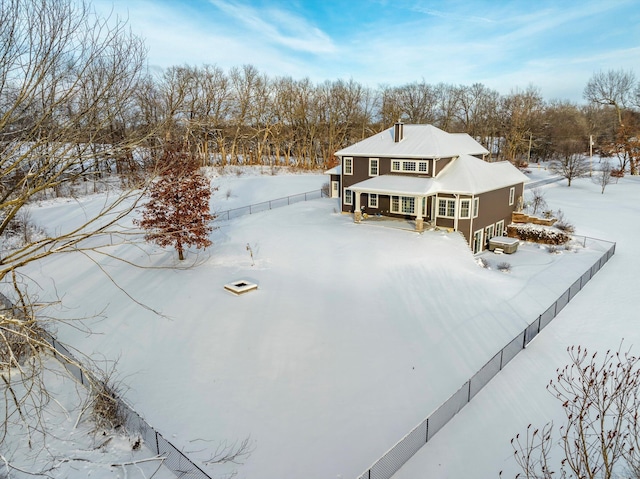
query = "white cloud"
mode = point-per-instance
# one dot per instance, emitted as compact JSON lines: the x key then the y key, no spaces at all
{"x":278,"y":26}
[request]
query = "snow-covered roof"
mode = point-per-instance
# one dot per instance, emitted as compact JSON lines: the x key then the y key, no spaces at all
{"x":395,"y":185}
{"x":470,"y":175}
{"x":465,"y":175}
{"x":336,"y":170}
{"x":419,"y":141}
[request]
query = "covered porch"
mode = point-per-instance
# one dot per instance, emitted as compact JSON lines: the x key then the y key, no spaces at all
{"x":395,"y":196}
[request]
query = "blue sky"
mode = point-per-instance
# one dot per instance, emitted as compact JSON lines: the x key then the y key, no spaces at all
{"x":553,"y":45}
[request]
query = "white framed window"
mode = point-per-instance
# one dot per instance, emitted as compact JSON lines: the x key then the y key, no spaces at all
{"x":403,"y":204}
{"x":348,"y":196}
{"x":373,"y":200}
{"x":395,"y":204}
{"x":347,"y":166}
{"x":488,"y":232}
{"x":409,"y":166}
{"x":446,"y":207}
{"x":500,"y":228}
{"x":512,"y":195}
{"x":465,"y":208}
{"x":476,"y":244}
{"x":476,"y":207}
{"x":408,"y":204}
{"x":373,"y":166}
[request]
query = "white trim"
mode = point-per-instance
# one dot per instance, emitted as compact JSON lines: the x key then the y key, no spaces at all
{"x":468,"y":215}
{"x":447,"y":202}
{"x":377,"y":200}
{"x":500,"y":226}
{"x":512,"y":195}
{"x":475,"y":208}
{"x":400,"y":202}
{"x":335,"y":189}
{"x":409,"y":166}
{"x":347,"y":170}
{"x":377,"y":162}
{"x":473,"y":241}
{"x":348,"y":199}
{"x":489,"y":232}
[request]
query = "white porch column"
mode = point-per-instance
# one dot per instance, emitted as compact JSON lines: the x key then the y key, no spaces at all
{"x":419,"y":219}
{"x":357,"y":213}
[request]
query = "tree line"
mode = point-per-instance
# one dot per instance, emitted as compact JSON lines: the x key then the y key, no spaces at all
{"x":245,"y":116}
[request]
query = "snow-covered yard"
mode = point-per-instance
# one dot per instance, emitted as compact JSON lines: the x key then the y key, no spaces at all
{"x":355,"y":334}
{"x":476,"y":443}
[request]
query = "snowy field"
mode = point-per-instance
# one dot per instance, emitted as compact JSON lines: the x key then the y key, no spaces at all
{"x":355,"y":334}
{"x":476,"y":442}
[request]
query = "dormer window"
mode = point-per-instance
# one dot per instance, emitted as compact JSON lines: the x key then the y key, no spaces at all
{"x":410,"y":166}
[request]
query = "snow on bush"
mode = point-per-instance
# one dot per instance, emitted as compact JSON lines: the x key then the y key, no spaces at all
{"x":537,"y":233}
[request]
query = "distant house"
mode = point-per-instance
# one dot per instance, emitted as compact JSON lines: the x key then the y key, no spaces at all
{"x":436,"y":178}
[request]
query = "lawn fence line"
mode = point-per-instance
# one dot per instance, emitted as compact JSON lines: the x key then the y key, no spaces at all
{"x":269,"y":205}
{"x":174,"y":459}
{"x":405,"y":448}
{"x":385,"y":467}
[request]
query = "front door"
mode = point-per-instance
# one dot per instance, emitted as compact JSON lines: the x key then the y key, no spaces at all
{"x":477,"y":242}
{"x":335,"y":189}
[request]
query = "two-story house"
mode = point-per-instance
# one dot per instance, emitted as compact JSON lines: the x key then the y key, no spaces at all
{"x":422,"y":173}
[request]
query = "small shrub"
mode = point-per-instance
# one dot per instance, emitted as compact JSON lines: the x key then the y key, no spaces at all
{"x":562,"y":224}
{"x":504,"y":267}
{"x":552,"y":249}
{"x":228,"y":193}
{"x":484,"y":262}
{"x":326,"y":190}
{"x":108,"y":411}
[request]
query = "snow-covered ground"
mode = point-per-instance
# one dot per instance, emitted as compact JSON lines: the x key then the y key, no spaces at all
{"x":476,"y":443}
{"x":355,"y":334}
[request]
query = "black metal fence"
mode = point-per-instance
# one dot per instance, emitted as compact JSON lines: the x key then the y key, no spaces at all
{"x":401,"y":452}
{"x":173,"y":458}
{"x":269,"y":205}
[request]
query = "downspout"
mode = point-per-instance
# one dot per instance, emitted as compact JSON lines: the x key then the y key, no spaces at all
{"x":456,"y":212}
{"x":471,"y":221}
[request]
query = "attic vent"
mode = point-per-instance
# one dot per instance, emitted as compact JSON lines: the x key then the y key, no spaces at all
{"x":398,"y":131}
{"x":240,"y":287}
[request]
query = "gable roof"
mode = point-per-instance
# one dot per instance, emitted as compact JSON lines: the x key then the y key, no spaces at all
{"x":466,"y":175}
{"x":419,"y":141}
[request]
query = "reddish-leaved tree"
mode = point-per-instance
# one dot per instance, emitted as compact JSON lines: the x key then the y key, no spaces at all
{"x":177,"y":213}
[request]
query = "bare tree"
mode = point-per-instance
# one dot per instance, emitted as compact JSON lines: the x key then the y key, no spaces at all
{"x":520,"y":114}
{"x":537,"y":201}
{"x":618,"y":89}
{"x":66,"y":79}
{"x":600,"y":436}
{"x":570,"y":162}
{"x":603,"y":176}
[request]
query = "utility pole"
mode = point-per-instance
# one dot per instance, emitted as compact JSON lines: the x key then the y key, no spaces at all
{"x":591,"y":154}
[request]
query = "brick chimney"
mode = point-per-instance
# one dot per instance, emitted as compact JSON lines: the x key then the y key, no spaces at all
{"x":398,"y":131}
